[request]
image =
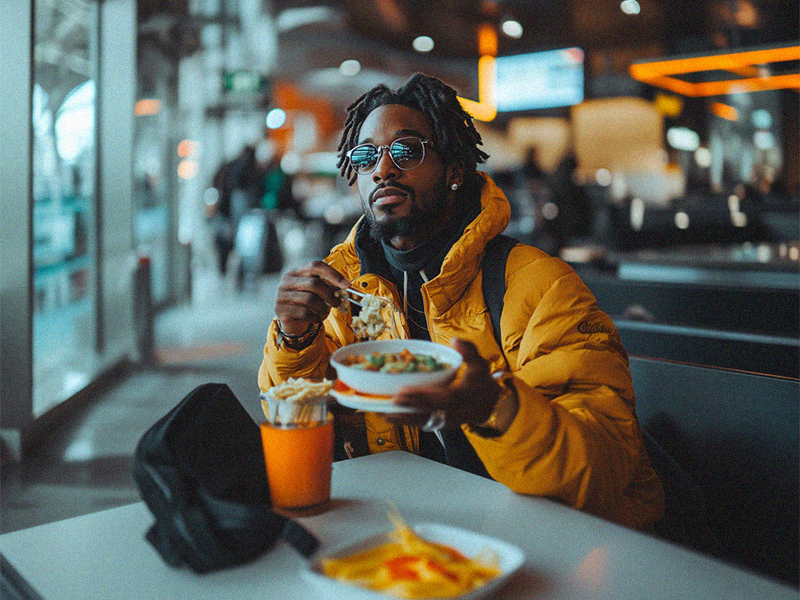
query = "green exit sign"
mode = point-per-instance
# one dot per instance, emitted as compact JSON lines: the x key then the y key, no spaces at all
{"x":244,"y":82}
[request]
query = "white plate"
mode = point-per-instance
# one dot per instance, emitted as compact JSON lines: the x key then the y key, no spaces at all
{"x":376,"y":405}
{"x":376,"y":382}
{"x":467,"y":542}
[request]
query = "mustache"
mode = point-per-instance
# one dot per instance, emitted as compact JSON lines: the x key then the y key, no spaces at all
{"x":402,"y":187}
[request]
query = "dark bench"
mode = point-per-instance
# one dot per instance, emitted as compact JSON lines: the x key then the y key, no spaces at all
{"x":751,"y":328}
{"x":753,"y":352}
{"x":751,"y":309}
{"x":736,"y":434}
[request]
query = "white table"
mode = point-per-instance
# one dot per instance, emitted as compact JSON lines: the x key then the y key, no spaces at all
{"x":568,"y":554}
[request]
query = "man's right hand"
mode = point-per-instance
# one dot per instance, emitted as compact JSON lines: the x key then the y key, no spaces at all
{"x":305,"y":296}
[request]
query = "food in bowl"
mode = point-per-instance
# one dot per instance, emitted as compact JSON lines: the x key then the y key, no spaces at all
{"x":395,"y":362}
{"x":442,"y":364}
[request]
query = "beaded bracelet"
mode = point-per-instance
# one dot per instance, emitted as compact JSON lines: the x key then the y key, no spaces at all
{"x":297,"y":341}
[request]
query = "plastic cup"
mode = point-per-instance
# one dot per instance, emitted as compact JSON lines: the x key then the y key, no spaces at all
{"x":299,"y":461}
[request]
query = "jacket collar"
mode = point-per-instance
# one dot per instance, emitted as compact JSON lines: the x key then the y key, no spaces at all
{"x":461,"y":263}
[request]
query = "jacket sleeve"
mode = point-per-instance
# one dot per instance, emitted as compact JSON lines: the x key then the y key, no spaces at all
{"x":575,"y":437}
{"x":279,"y":362}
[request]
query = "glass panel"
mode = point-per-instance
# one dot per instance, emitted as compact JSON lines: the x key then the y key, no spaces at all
{"x":63,"y":170}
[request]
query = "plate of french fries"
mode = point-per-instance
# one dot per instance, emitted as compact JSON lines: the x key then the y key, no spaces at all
{"x":428,"y":560}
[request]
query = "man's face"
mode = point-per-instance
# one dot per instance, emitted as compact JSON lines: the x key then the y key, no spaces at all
{"x":404,"y":207}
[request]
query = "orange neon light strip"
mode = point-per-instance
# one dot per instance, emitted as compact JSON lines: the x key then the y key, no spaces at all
{"x":485,"y":109}
{"x":724,"y":111}
{"x":715,"y":88}
{"x":741,"y":63}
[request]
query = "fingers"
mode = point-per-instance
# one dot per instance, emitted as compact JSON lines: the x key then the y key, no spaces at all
{"x":305,"y":295}
{"x":473,"y":361}
{"x":469,"y":400}
{"x":327,"y":273}
{"x":422,"y":400}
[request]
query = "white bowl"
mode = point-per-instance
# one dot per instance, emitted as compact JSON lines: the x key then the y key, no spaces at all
{"x":388,"y":384}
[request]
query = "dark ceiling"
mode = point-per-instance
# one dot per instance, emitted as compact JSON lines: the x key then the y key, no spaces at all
{"x":675,"y":25}
{"x":378,"y":33}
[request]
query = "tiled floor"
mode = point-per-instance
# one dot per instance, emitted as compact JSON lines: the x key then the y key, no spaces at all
{"x":86,"y":465}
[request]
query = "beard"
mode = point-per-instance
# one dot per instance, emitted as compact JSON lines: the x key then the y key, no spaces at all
{"x":421,"y":223}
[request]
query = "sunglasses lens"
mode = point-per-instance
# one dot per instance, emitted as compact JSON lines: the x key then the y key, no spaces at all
{"x":363,"y":158}
{"x":407,"y":153}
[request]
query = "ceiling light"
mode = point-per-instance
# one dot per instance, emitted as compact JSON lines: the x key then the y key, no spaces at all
{"x":630,"y":7}
{"x":350,"y":68}
{"x":762,"y":118}
{"x":739,"y":219}
{"x":703,"y":157}
{"x":292,"y":18}
{"x":186,"y":148}
{"x":187,"y":168}
{"x":637,"y":214}
{"x":423,"y":43}
{"x":603,"y":177}
{"x":682,"y":220}
{"x":512,"y":28}
{"x":276,"y":118}
{"x":764,"y":140}
{"x":683,"y":138}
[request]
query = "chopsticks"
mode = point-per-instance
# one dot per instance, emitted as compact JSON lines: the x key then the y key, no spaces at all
{"x":356,"y":293}
{"x":363,"y":295}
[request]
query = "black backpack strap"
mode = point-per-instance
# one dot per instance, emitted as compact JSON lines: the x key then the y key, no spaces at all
{"x":493,"y":265}
{"x":299,"y":538}
{"x":260,"y":519}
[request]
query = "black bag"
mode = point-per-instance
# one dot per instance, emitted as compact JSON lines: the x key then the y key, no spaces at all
{"x":201,"y":471}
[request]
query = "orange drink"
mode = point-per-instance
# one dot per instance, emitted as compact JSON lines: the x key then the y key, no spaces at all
{"x":299,"y":459}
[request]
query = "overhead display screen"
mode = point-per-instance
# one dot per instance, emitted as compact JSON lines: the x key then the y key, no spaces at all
{"x":540,"y":80}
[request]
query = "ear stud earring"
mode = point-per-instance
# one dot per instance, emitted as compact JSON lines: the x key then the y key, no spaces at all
{"x":454,"y":187}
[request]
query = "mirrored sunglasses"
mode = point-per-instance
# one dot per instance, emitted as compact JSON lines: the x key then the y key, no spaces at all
{"x":406,"y":153}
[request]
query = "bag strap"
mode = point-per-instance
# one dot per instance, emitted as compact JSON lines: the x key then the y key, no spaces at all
{"x":259,"y":517}
{"x":493,"y":266}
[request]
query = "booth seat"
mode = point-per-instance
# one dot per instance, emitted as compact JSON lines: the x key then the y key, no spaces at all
{"x":734,"y":435}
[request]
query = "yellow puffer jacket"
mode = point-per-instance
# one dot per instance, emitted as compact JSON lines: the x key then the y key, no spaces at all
{"x":575,"y":437}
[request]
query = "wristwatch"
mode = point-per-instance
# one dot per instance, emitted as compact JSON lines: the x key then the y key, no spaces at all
{"x":503,"y":413}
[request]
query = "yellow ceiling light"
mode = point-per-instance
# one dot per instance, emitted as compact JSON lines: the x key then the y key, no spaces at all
{"x":744,"y":64}
{"x":668,"y":105}
{"x":485,"y":109}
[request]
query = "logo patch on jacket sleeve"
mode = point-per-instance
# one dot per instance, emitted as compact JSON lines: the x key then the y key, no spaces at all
{"x":596,"y":327}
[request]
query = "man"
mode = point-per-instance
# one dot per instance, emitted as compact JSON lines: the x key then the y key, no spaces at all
{"x":550,"y":413}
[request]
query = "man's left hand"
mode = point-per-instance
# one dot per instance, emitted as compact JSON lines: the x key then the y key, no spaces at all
{"x":470,"y":399}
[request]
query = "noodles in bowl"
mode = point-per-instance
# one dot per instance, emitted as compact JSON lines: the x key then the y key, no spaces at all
{"x":384,"y":367}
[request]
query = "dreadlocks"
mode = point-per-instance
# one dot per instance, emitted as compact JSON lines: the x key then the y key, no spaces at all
{"x":456,"y":137}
